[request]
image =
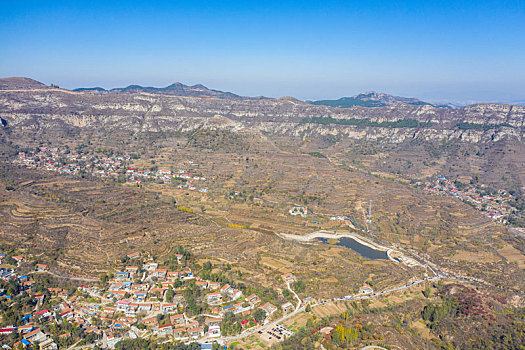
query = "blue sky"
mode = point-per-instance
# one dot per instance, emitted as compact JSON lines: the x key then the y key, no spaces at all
{"x":458,"y":51}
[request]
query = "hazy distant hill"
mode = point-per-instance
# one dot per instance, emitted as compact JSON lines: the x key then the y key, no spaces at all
{"x":370,"y":99}
{"x":175,"y":89}
{"x":16,"y":83}
{"x":90,"y":89}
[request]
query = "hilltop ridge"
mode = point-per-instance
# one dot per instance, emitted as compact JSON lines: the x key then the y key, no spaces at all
{"x":369,"y":99}
{"x":19,"y":83}
{"x":175,"y":89}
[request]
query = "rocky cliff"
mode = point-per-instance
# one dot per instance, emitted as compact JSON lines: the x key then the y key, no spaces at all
{"x":27,"y":107}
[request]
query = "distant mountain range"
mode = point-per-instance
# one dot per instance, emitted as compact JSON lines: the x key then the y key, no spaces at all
{"x":175,"y":89}
{"x":374,"y":99}
{"x":365,"y":99}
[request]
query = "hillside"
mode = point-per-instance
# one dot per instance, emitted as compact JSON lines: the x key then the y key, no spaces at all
{"x":440,"y":140}
{"x":90,"y":176}
{"x":175,"y":89}
{"x":369,"y":99}
{"x":16,"y":83}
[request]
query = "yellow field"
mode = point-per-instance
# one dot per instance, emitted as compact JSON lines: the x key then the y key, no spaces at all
{"x":513,"y":255}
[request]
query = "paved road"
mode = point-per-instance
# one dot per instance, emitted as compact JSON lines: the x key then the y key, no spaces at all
{"x":438,"y":274}
{"x":374,"y":295}
{"x":299,"y":301}
{"x":73,"y":346}
{"x":300,"y":308}
{"x":517,"y":232}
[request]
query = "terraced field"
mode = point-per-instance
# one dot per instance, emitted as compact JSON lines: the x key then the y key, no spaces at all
{"x":86,"y":224}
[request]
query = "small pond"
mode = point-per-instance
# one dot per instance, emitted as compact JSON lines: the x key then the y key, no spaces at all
{"x":361,"y":249}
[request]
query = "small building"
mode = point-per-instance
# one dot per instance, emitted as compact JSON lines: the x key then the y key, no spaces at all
{"x":144,"y":307}
{"x":253,"y":299}
{"x":170,"y":308}
{"x":165,"y":330}
{"x":196,"y":332}
{"x":48,"y":344}
{"x":186,"y":274}
{"x":67,"y":314}
{"x":225,"y":289}
{"x":41,"y":268}
{"x":65,"y":335}
{"x":366,"y":289}
{"x":121,"y":275}
{"x":179,"y":333}
{"x":43,"y":314}
{"x":228,"y":308}
{"x":168,"y":284}
{"x":156,"y":293}
{"x":151,"y":266}
{"x":116,"y":286}
{"x":25,"y":328}
{"x":172,"y":275}
{"x":160,"y":273}
{"x":123,"y":305}
{"x":177,"y":319}
{"x":112,"y":341}
{"x":35,"y":336}
{"x":6,"y":330}
{"x":301,"y":211}
{"x":152,"y":322}
{"x":19,"y":258}
{"x":139,"y":287}
{"x":288,"y":277}
{"x":213,"y":321}
{"x":55,"y":291}
{"x":109,"y":311}
{"x":213,"y":285}
{"x":214,"y":331}
{"x":201,"y":284}
{"x":214,"y":297}
{"x":141,"y":295}
{"x":134,"y":255}
{"x":288,"y":307}
{"x":269,"y":308}
{"x":235,"y":294}
{"x":132,"y":270}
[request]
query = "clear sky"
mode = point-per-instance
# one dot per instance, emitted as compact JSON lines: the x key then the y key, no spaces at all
{"x":436,"y":50}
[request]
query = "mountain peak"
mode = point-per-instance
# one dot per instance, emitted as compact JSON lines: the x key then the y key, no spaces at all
{"x":175,"y":89}
{"x":21,"y":83}
{"x":199,"y":86}
{"x":291,"y":99}
{"x":369,"y":99}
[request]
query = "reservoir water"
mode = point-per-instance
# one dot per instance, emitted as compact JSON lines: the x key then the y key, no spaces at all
{"x":361,"y":249}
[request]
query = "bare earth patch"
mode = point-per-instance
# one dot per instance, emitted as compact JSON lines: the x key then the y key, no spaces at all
{"x":513,"y":255}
